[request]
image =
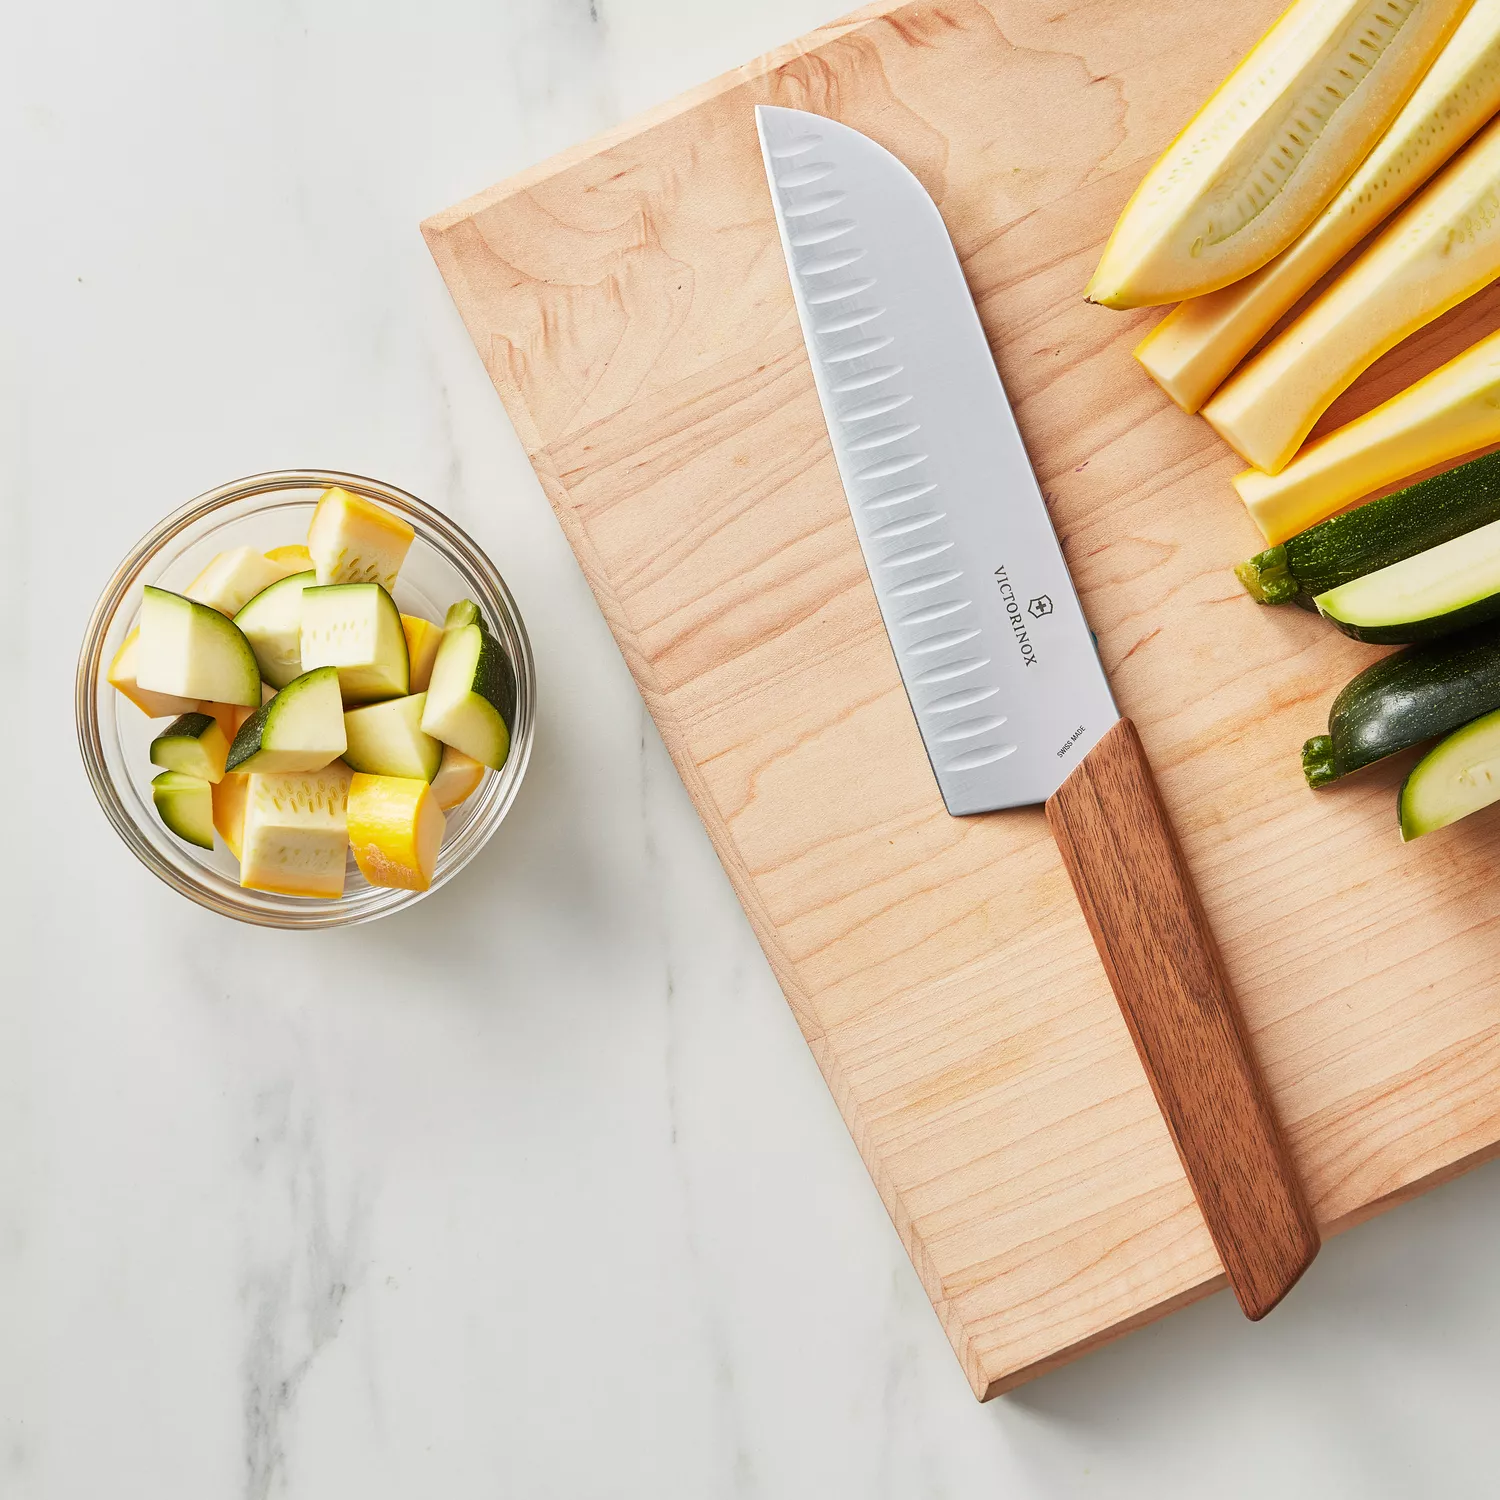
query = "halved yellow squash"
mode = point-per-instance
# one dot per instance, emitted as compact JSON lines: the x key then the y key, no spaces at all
{"x":1269,"y":150}
{"x":1196,"y":346}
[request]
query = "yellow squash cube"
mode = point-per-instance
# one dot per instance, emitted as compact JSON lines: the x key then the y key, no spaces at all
{"x":422,"y":641}
{"x":395,"y":829}
{"x":352,"y":540}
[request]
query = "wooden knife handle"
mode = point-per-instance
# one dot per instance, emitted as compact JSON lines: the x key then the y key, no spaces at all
{"x":1150,"y":929}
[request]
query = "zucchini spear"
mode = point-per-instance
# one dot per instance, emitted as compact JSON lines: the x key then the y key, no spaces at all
{"x":1406,"y":698}
{"x":1376,"y":535}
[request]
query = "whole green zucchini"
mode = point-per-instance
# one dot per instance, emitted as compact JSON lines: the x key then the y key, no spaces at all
{"x":1405,"y":698}
{"x":1375,"y":535}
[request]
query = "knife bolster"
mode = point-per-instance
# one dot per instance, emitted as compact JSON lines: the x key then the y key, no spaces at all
{"x":1149,"y":927}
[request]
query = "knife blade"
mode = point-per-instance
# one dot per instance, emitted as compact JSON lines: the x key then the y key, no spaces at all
{"x":996,"y":656}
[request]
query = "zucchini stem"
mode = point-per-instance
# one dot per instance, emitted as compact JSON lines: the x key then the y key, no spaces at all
{"x":1267,"y":577}
{"x":1318,"y":761}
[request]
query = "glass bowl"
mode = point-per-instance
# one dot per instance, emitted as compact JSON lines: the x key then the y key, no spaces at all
{"x":264,"y":511}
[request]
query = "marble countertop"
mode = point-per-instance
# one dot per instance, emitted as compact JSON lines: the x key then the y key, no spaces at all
{"x":533,"y":1190}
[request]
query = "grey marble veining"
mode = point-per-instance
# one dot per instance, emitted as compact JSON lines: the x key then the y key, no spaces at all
{"x":532,"y":1191}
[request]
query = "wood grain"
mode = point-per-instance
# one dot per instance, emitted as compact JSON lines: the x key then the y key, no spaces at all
{"x":1164,"y":967}
{"x":631,"y":307}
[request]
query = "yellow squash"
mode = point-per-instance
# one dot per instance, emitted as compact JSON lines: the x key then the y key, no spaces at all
{"x":1442,"y":248}
{"x":1451,"y":412}
{"x":294,"y":558}
{"x":353,"y":540}
{"x":1269,"y":150}
{"x":121,"y":677}
{"x":457,"y":778}
{"x":229,"y":797}
{"x":422,"y":641}
{"x":1196,"y":346}
{"x":395,"y":830}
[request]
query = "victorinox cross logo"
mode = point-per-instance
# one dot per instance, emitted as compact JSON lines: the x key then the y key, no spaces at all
{"x":1039,"y":606}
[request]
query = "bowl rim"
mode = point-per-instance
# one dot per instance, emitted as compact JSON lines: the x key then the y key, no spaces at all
{"x":436,"y":530}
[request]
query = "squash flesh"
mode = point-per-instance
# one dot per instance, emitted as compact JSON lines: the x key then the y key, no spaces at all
{"x":1442,"y":248}
{"x":1199,"y":343}
{"x":1272,"y":146}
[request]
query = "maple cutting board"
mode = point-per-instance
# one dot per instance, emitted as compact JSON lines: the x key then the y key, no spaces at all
{"x":631,"y":306}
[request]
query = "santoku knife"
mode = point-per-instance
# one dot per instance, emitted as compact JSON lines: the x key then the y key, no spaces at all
{"x":997,"y":658}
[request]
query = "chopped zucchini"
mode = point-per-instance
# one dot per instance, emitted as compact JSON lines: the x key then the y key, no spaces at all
{"x":356,"y":627}
{"x":185,"y":804}
{"x":232,"y":578}
{"x":1458,"y":776}
{"x":353,"y":540}
{"x":122,"y":678}
{"x":1437,"y":592}
{"x":300,"y":729}
{"x":422,"y":641}
{"x":1375,"y":535}
{"x":193,"y":651}
{"x":194,"y":744}
{"x":386,"y":739}
{"x":229,"y":796}
{"x":1405,"y":698}
{"x":272,"y":622}
{"x":471,"y":698}
{"x":296,"y":832}
{"x":395,"y":830}
{"x":457,"y":779}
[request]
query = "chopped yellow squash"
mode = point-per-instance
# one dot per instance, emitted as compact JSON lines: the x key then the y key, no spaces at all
{"x":233,"y":579}
{"x":121,"y":676}
{"x":422,"y":641}
{"x":229,"y":797}
{"x":353,"y":540}
{"x":395,"y":830}
{"x":457,"y":779}
{"x":293,"y":559}
{"x":296,"y":832}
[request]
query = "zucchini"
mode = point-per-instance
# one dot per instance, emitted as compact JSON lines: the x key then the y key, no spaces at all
{"x":386,"y":739}
{"x":1406,"y":698}
{"x":185,"y":804}
{"x":356,"y":627}
{"x":1437,"y":592}
{"x":1455,"y":778}
{"x":300,"y":729}
{"x":1385,"y":531}
{"x":191,"y":650}
{"x":471,"y":698}
{"x":272,"y":622}
{"x":194,"y":744}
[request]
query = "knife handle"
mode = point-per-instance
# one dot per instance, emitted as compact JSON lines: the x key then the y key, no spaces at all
{"x":1164,"y":966}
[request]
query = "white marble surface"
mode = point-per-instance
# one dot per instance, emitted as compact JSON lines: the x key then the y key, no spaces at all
{"x":533,"y":1191}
